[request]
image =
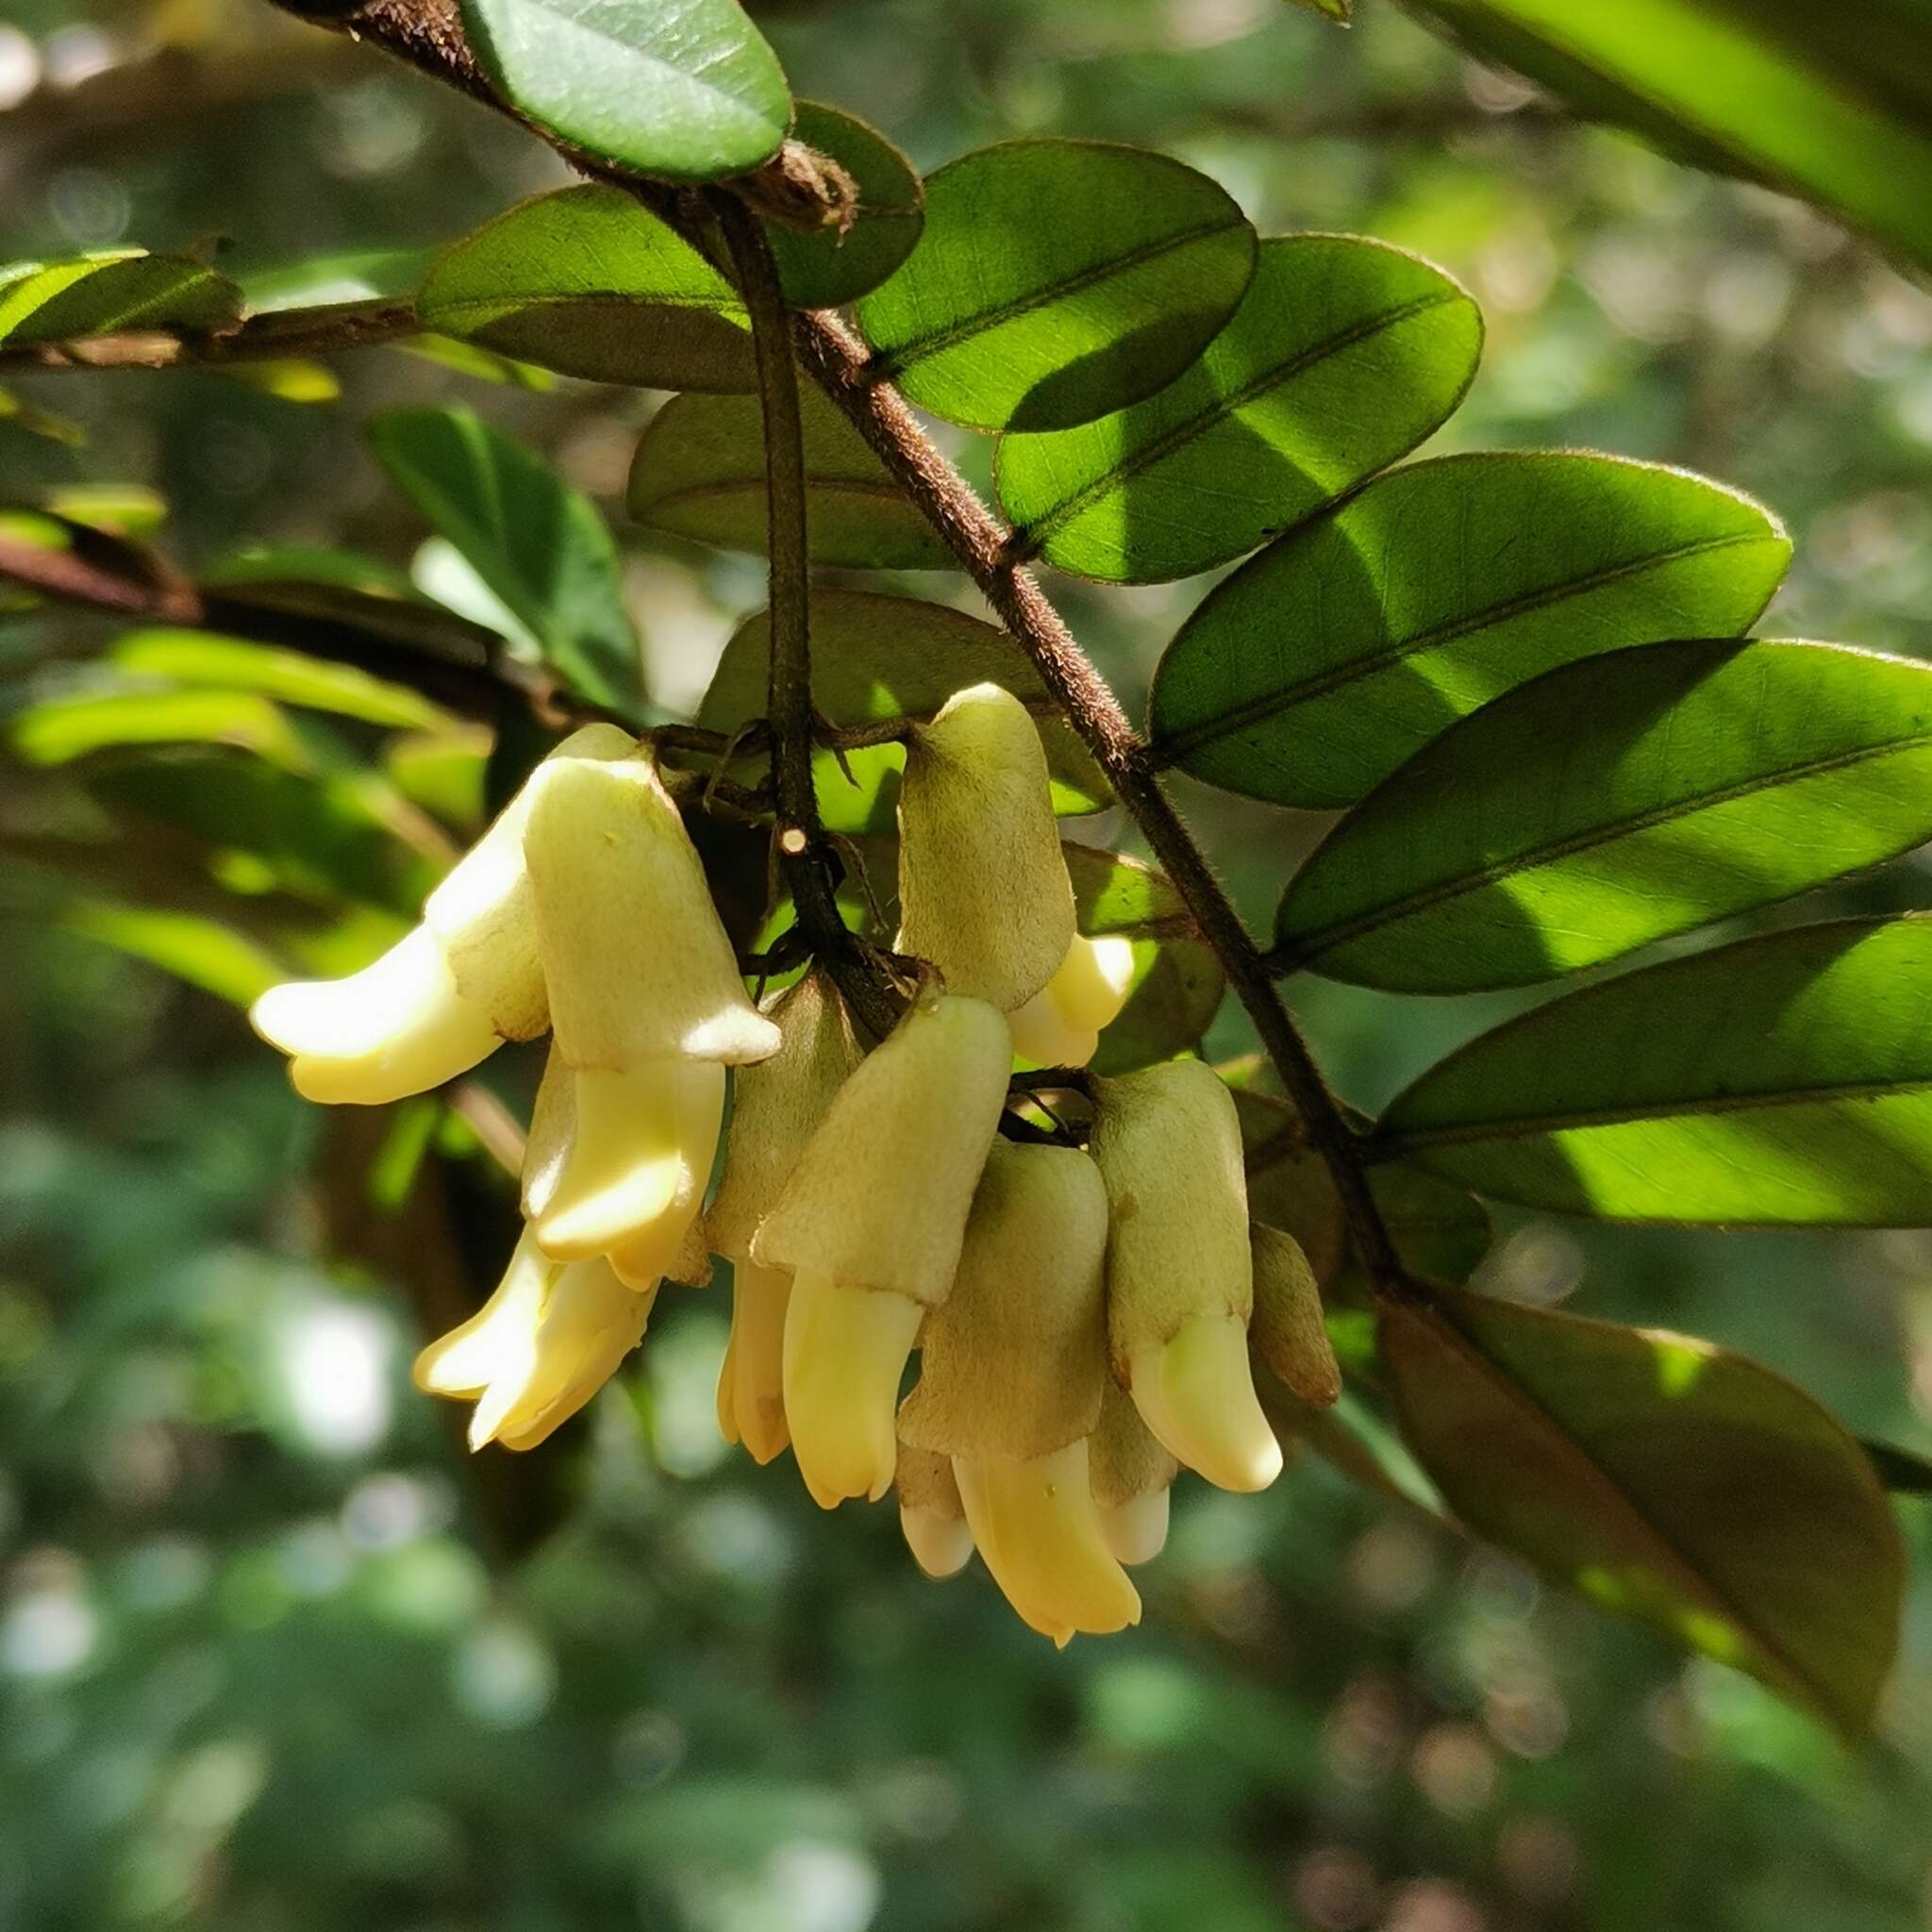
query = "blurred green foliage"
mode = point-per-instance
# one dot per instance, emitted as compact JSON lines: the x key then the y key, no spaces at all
{"x":265,"y":1657}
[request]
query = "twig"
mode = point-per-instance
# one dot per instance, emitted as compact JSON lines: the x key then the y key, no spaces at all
{"x":270,"y":337}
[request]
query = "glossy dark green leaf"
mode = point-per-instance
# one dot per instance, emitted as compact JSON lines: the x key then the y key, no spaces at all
{"x":875,"y":658}
{"x":99,"y":295}
{"x":1833,"y":103}
{"x":829,"y":267}
{"x":1614,"y":802}
{"x":540,"y":546}
{"x":1343,"y":355}
{"x":1438,"y":588}
{"x":700,"y":472}
{"x":1178,"y":982}
{"x":1664,"y":1479}
{"x":587,"y":282}
{"x":684,"y":89}
{"x":1783,"y":1080}
{"x":1057,"y":281}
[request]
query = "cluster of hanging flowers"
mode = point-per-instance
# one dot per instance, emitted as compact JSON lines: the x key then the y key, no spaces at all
{"x":1082,"y":1315}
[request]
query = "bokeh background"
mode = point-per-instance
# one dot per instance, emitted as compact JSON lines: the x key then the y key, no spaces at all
{"x":274,"y":1654}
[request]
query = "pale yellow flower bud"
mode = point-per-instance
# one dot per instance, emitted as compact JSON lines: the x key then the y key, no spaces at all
{"x":1059,"y":1026}
{"x":1036,"y":1524}
{"x":983,"y":886}
{"x":1131,"y":1476}
{"x":776,"y":1105}
{"x":616,"y":1163}
{"x":449,"y":993}
{"x":1288,"y":1330}
{"x":638,"y":966}
{"x":549,"y":1338}
{"x":1180,"y":1275}
{"x":871,"y":1224}
{"x":931,"y":1516}
{"x":1013,"y":1361}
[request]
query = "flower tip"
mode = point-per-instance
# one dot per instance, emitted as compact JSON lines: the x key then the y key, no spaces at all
{"x":844,"y":1354}
{"x":941,"y":1545}
{"x":1135,"y":1530}
{"x":1196,"y":1394}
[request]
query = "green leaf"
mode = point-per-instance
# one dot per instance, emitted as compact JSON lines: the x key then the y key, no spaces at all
{"x":1664,"y":1479}
{"x":1785,"y":1080}
{"x":684,"y":89}
{"x":1440,"y":587}
{"x":100,"y":294}
{"x":700,"y":472}
{"x":1832,"y":103}
{"x":59,"y":730}
{"x":1343,"y":355}
{"x":875,"y":658}
{"x":540,"y":545}
{"x":827,"y":268}
{"x":122,"y":509}
{"x":1177,"y":983}
{"x":203,"y":952}
{"x":199,"y":657}
{"x":1056,"y":281}
{"x":1614,"y":802}
{"x":587,"y":282}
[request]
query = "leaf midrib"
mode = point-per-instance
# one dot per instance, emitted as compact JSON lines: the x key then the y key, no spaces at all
{"x":1037,"y":534}
{"x":1327,"y":939}
{"x":892,"y":363}
{"x":1173,"y":747}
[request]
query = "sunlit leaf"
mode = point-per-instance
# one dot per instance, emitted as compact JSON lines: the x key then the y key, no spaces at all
{"x":1663,"y":1478}
{"x":1440,"y":587}
{"x":700,"y":472}
{"x":1342,"y":356}
{"x":686,"y":88}
{"x":61,"y":729}
{"x":201,"y":951}
{"x":1056,"y":281}
{"x":1614,"y":802}
{"x":587,"y":282}
{"x":1782,"y":1080}
{"x":101,"y":294}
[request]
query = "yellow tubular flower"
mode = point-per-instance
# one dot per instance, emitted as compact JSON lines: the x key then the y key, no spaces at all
{"x":870,"y":1223}
{"x":1181,"y":1276}
{"x":776,"y":1105}
{"x":549,"y":1338}
{"x":1131,"y":1476}
{"x":983,"y":886}
{"x":931,"y":1516}
{"x":1013,"y":1374}
{"x":449,"y":993}
{"x":647,"y":1009}
{"x":1059,"y":1026}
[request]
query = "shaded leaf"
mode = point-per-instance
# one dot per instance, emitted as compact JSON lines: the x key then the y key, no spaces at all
{"x":1342,"y":356}
{"x":700,"y":472}
{"x":1177,"y":981}
{"x":1055,"y":282}
{"x":1664,"y":1479}
{"x":875,"y":658}
{"x":826,"y":269}
{"x":1614,"y":802}
{"x":101,"y":294}
{"x":1440,"y":587}
{"x":540,"y":545}
{"x":1785,"y":1080}
{"x":1902,"y":1470}
{"x":587,"y":282}
{"x":684,"y":89}
{"x":1831,"y":103}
